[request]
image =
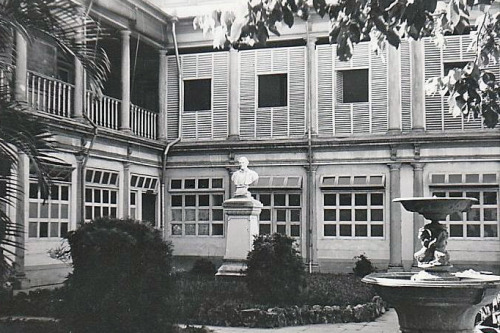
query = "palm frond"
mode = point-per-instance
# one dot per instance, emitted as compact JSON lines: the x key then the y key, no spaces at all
{"x":62,"y":21}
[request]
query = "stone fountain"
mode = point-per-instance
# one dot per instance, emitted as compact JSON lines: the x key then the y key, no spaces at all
{"x":435,"y":300}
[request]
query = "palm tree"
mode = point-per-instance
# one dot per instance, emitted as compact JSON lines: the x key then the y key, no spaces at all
{"x":61,"y":21}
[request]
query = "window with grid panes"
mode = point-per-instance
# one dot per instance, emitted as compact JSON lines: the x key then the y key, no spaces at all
{"x":49,"y":218}
{"x":281,"y":212}
{"x":196,"y":207}
{"x":353,"y":214}
{"x":353,"y":206}
{"x":482,"y":220}
{"x":101,"y":194}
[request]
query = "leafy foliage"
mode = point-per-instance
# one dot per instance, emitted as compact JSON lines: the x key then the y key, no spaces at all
{"x":121,"y":278}
{"x":275,"y":269}
{"x":203,"y":267}
{"x":363,"y":266}
{"x":353,"y":21}
{"x":62,"y":22}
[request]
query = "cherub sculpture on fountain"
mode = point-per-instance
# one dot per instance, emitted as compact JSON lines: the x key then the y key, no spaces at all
{"x":434,"y":238}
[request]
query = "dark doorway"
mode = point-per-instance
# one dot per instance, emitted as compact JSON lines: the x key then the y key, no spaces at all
{"x":149,"y":208}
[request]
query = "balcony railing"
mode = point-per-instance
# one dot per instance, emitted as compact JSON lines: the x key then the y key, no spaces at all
{"x":47,"y":94}
{"x":143,"y":122}
{"x":103,"y":111}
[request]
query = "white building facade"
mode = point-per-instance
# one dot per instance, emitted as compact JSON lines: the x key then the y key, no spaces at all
{"x":333,"y":143}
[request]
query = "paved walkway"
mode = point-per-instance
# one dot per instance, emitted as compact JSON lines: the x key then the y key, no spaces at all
{"x":387,"y":323}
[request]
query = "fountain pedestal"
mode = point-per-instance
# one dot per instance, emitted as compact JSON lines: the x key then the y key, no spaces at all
{"x":435,"y":300}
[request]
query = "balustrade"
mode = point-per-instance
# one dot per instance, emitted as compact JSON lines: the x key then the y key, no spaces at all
{"x":103,"y":110}
{"x":47,"y":94}
{"x":50,"y":95}
{"x":143,"y":122}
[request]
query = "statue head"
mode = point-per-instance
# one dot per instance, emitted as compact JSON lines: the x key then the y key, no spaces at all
{"x":243,"y":163}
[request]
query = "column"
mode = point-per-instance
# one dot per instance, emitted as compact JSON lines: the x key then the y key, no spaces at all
{"x":418,"y":84}
{"x":21,"y":218}
{"x":395,"y":261}
{"x":125,"y":110}
{"x":394,"y":89}
{"x":418,"y":191}
{"x":126,"y":190}
{"x":234,"y":95}
{"x":312,"y":115}
{"x":21,"y":73}
{"x":162,"y":97}
{"x":80,"y":189}
{"x":79,"y":92}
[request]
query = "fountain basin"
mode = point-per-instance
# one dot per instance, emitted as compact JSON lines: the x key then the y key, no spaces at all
{"x":436,"y":209}
{"x":442,"y":306}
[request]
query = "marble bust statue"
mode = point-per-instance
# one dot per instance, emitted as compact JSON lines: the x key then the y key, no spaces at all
{"x":243,"y":178}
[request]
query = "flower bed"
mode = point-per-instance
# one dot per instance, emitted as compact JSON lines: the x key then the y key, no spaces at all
{"x":203,"y":300}
{"x":292,"y":315}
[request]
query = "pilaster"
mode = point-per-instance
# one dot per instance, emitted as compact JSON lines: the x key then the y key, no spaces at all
{"x":234,"y":95}
{"x":417,"y":53}
{"x":312,"y":114}
{"x":80,"y":189}
{"x":126,"y":190}
{"x":395,"y":261}
{"x":311,"y":232}
{"x":22,"y":173}
{"x":394,"y":89}
{"x":418,"y":191}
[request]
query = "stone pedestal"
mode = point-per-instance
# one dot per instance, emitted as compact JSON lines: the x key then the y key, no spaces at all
{"x":242,"y":225}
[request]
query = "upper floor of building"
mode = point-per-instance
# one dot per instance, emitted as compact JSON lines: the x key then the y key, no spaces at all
{"x":167,"y":82}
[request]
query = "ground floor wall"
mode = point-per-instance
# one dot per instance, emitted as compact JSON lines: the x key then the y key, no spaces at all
{"x":337,"y":202}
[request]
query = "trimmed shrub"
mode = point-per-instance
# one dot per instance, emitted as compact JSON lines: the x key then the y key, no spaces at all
{"x":363,"y":266}
{"x":275,"y":269}
{"x":203,"y":267}
{"x":121,"y":278}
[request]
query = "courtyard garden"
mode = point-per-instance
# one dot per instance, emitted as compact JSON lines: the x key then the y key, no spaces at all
{"x":123,"y":282}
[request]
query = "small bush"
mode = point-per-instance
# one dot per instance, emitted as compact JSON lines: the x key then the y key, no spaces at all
{"x":121,"y":278}
{"x":203,"y":267}
{"x":275,"y":269}
{"x":363,"y":266}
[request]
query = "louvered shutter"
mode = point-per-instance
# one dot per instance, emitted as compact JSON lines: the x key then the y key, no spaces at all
{"x":437,"y":113}
{"x":406,"y":91}
{"x":172,"y":99}
{"x":338,"y":118}
{"x":220,"y":95}
{"x":433,"y":104}
{"x":297,"y":91}
{"x":248,"y":96}
{"x":201,"y":124}
{"x":379,"y":96}
{"x":272,"y":122}
{"x":325,"y":94}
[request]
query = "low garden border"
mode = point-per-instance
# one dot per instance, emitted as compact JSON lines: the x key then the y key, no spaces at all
{"x":293,"y":315}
